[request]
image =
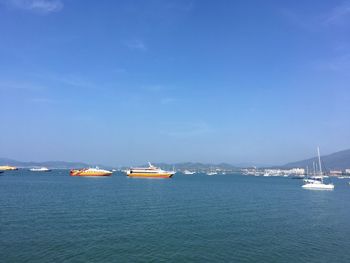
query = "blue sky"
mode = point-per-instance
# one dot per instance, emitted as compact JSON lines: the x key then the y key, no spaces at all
{"x":124,"y":82}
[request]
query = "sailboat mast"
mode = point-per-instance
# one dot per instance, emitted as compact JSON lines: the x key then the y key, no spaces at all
{"x":319,"y":162}
{"x":319,"y":159}
{"x":314,"y":172}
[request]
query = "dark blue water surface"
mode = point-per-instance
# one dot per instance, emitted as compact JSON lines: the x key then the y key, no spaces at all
{"x":52,"y":217}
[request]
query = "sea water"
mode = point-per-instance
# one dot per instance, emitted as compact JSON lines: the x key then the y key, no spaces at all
{"x":52,"y":217}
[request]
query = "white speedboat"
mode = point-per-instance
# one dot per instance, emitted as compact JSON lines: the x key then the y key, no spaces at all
{"x":187,"y":172}
{"x":40,"y":169}
{"x":317,"y":184}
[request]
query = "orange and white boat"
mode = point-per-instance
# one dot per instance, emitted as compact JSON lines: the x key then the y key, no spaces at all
{"x":90,"y":172}
{"x":8,"y":168}
{"x":149,"y":172}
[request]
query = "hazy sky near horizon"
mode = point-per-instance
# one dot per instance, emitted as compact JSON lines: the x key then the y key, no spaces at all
{"x":125,"y":82}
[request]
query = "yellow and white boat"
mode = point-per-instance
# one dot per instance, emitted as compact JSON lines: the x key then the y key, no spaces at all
{"x":8,"y":168}
{"x":149,"y":172}
{"x":90,"y":172}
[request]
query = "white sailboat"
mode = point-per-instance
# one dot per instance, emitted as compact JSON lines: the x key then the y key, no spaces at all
{"x":212,"y":172}
{"x":318,"y":184}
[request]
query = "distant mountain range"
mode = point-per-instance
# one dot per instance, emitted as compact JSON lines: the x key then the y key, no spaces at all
{"x":48,"y":164}
{"x":339,"y":160}
{"x":69,"y":165}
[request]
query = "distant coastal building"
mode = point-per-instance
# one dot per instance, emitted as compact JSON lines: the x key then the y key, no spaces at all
{"x":297,"y":171}
{"x":335,"y":172}
{"x":274,"y":172}
{"x":347,"y":171}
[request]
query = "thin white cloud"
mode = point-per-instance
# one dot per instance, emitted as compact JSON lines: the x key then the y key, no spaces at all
{"x":339,"y":15}
{"x":184,"y":6}
{"x":167,"y":101}
{"x":303,"y":21}
{"x":71,"y":80}
{"x":337,"y":64}
{"x":20,"y":85}
{"x":153,"y":88}
{"x":76,"y":81}
{"x":42,"y":100}
{"x":38,"y":6}
{"x":136,"y":44}
{"x":186,"y":129}
{"x":119,"y":70}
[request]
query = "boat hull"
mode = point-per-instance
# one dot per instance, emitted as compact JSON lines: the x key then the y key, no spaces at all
{"x":314,"y":186}
{"x":147,"y":175}
{"x":85,"y":173}
{"x":8,"y":168}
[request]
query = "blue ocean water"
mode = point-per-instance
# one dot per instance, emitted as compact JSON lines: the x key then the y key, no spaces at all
{"x":52,"y":217}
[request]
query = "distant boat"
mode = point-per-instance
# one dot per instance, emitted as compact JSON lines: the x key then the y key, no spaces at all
{"x":298,"y":176}
{"x":149,"y":172}
{"x":187,"y":172}
{"x":212,"y":172}
{"x":41,"y":169}
{"x":90,"y":172}
{"x":8,"y":168}
{"x":314,"y":184}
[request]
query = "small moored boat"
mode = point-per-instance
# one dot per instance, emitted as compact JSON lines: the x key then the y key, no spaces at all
{"x":8,"y":168}
{"x":41,"y":169}
{"x":187,"y":172}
